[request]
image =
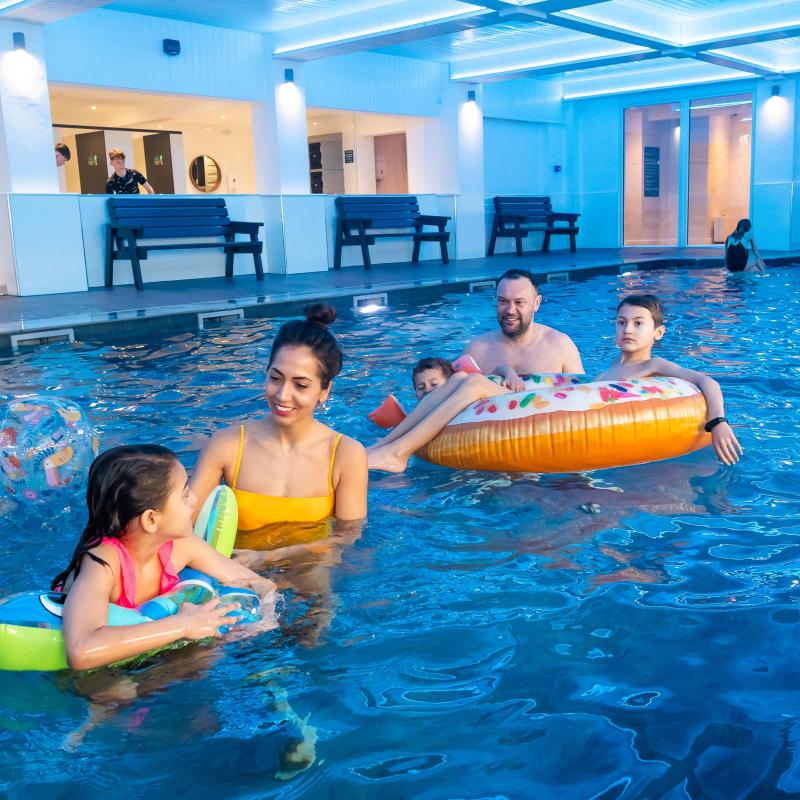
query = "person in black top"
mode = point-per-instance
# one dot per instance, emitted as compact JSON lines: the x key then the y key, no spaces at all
{"x":124,"y":180}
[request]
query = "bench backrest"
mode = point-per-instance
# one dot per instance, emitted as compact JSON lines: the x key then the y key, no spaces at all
{"x":385,"y":210}
{"x":536,"y":208}
{"x":170,"y":217}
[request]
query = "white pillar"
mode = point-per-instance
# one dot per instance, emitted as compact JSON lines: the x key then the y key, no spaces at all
{"x":462,"y":153}
{"x":776,"y":223}
{"x":297,"y":241}
{"x":27,"y":159}
{"x":280,"y":130}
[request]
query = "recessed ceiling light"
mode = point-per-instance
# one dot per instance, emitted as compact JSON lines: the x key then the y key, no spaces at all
{"x":222,"y":117}
{"x":316,"y":123}
{"x":94,"y":108}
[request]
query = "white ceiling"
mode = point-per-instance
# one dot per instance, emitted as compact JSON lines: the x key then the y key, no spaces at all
{"x":496,"y":40}
{"x":73,"y":105}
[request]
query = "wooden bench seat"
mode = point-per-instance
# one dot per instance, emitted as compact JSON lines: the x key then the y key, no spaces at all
{"x":516,"y":217}
{"x":135,"y":222}
{"x":361,"y":219}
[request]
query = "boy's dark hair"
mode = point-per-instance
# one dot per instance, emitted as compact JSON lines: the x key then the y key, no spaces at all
{"x":64,"y":150}
{"x":648,"y":301}
{"x":516,"y":274}
{"x":432,"y":363}
{"x":313,"y":333}
{"x":124,"y":482}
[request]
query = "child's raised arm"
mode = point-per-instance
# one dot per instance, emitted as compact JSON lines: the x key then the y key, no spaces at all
{"x":91,"y":643}
{"x":725,"y":443}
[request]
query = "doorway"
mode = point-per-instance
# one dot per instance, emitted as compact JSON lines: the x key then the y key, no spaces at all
{"x":391,"y":165}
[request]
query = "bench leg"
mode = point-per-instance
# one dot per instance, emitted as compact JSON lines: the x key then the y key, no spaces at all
{"x":518,"y":239}
{"x":365,"y":254}
{"x":259,"y":266}
{"x":109,"y":270}
{"x":492,"y":240}
{"x":443,"y":248}
{"x":572,"y":243}
{"x":137,"y":269}
{"x":415,"y":251}
{"x":337,"y":247}
{"x":546,"y":242}
{"x":229,"y":259}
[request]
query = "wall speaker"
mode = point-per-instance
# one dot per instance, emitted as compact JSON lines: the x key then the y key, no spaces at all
{"x":172,"y":47}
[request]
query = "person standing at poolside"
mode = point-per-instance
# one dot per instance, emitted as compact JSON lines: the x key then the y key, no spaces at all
{"x":123,"y":180}
{"x":522,"y":346}
{"x":287,"y":467}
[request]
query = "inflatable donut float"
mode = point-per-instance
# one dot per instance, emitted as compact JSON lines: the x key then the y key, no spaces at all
{"x":565,"y":424}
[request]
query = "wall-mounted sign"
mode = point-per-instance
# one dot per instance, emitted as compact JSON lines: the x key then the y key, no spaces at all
{"x":349,"y":156}
{"x":158,"y":160}
{"x":652,"y":175}
{"x":92,"y":160}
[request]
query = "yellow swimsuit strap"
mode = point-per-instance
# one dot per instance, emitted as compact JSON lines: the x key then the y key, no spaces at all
{"x":238,"y":457}
{"x":241,"y":449}
{"x":333,"y":458}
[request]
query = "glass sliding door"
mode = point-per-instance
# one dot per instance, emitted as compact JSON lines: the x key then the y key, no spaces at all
{"x":720,"y":137}
{"x":652,"y":146}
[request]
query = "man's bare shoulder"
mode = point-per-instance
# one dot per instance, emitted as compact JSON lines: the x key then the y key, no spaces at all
{"x":555,"y":338}
{"x":483,"y":342}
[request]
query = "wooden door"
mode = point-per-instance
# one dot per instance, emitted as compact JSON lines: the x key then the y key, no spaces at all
{"x":158,"y":161}
{"x":93,"y":169}
{"x":391,"y":166}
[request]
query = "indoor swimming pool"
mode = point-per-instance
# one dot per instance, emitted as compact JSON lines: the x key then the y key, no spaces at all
{"x":628,"y":633}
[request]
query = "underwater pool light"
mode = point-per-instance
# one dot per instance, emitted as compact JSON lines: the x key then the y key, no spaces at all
{"x":370,"y":303}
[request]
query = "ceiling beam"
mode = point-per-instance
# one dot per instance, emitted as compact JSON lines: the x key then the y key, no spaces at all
{"x":734,"y":63}
{"x":561,"y":66}
{"x":492,"y":12}
{"x":608,"y":31}
{"x":746,"y":38}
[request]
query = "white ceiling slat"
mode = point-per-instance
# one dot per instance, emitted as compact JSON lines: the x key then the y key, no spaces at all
{"x":492,"y":40}
{"x":44,"y":11}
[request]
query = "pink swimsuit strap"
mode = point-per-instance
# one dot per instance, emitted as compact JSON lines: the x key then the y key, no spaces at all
{"x":127,"y":574}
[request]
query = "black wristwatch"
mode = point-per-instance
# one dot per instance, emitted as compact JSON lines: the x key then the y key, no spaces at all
{"x":712,"y":423}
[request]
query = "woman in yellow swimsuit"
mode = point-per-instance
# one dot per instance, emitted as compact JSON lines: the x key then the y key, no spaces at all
{"x":290,"y":473}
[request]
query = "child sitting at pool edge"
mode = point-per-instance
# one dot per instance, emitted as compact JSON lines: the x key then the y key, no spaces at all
{"x":137,"y":538}
{"x":639,"y":324}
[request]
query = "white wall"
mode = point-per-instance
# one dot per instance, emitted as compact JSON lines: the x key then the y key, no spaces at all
{"x":231,"y":148}
{"x":112,"y":48}
{"x":374,"y":82}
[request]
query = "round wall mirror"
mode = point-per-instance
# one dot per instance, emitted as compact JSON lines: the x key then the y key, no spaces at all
{"x":205,"y":174}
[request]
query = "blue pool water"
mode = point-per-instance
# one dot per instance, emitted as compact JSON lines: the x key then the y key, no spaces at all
{"x":632,"y":633}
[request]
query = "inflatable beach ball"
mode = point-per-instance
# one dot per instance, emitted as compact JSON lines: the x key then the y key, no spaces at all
{"x":46,"y":445}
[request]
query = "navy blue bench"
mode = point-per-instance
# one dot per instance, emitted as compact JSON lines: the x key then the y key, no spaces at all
{"x":516,"y":217}
{"x":364,"y":218}
{"x":136,"y":221}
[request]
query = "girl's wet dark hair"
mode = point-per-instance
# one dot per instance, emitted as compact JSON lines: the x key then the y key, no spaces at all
{"x":124,"y":482}
{"x":313,"y":333}
{"x":743,"y":226}
{"x":648,"y":301}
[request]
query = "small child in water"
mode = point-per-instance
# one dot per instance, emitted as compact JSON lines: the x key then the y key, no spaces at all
{"x":442,"y":396}
{"x":639,"y":325}
{"x":136,"y":540}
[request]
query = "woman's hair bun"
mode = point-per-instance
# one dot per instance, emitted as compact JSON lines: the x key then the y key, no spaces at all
{"x":321,"y":313}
